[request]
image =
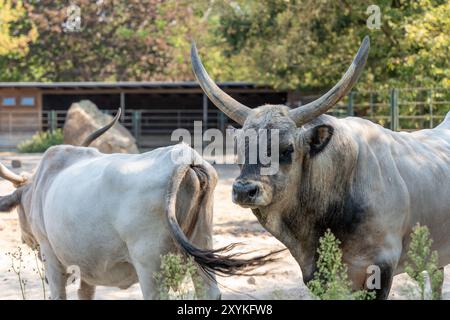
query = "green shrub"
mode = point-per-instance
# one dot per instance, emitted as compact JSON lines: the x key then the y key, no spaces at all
{"x":41,"y":141}
{"x":331,"y":280}
{"x":420,"y":259}
{"x":173,"y":278}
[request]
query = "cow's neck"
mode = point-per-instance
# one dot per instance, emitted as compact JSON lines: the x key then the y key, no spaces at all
{"x":287,"y":227}
{"x":299,"y":222}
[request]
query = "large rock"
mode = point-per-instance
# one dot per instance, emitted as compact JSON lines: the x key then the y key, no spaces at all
{"x":84,"y":117}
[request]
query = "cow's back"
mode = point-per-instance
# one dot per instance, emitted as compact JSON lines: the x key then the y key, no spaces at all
{"x":94,"y":208}
{"x":409,"y":179}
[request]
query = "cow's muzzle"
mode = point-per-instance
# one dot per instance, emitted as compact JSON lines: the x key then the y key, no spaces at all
{"x":250,"y":194}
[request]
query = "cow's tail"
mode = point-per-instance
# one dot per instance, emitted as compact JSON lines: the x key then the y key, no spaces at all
{"x":9,"y":202}
{"x":219,"y":261}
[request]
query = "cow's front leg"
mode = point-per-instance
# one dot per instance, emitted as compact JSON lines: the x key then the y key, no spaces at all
{"x":146,"y":261}
{"x":385,"y":262}
{"x":146,"y":275}
{"x":376,"y":277}
{"x":86,"y":291}
{"x":375,"y":271}
{"x":55,"y":273}
{"x":206,"y":286}
{"x":386,"y":277}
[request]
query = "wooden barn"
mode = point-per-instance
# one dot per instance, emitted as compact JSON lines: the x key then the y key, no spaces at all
{"x":152,"y":110}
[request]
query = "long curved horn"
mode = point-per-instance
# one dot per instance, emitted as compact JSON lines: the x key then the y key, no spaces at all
{"x":233,"y":109}
{"x":102,"y":130}
{"x":7,"y":174}
{"x":303,"y":114}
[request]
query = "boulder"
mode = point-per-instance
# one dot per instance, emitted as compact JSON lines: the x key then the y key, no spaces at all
{"x":16,"y":163}
{"x":84,"y":117}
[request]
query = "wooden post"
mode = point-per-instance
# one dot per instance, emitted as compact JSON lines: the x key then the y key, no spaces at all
{"x":10,"y":124}
{"x":221,"y":120}
{"x":39,"y":109}
{"x":394,"y":110}
{"x":122,"y":105}
{"x":371,"y":104}
{"x":205,"y":112}
{"x":52,"y":121}
{"x":430,"y":104}
{"x":136,"y":125}
{"x":350,"y":111}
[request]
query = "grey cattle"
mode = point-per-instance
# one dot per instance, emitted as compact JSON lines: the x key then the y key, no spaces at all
{"x":367,"y":184}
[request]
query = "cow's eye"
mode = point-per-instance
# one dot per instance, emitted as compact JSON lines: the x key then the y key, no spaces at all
{"x":286,"y":153}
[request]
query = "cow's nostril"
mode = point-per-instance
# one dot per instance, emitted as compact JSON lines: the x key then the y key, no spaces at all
{"x":252,"y":192}
{"x":245,"y":192}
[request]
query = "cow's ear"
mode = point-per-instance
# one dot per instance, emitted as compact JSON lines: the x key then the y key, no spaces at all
{"x":319,"y":137}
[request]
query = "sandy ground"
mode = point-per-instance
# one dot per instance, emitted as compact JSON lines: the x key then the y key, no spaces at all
{"x":231,"y":224}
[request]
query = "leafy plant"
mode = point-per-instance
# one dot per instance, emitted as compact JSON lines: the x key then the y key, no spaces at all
{"x":17,"y":267}
{"x":331,"y":280}
{"x":41,"y":141}
{"x":173,"y":278}
{"x":39,"y":269}
{"x":420,"y":259}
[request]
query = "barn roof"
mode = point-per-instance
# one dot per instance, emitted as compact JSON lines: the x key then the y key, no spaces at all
{"x":124,"y":85}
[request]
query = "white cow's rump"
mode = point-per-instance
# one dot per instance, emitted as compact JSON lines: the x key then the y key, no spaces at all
{"x":114,"y":215}
{"x":106,"y":215}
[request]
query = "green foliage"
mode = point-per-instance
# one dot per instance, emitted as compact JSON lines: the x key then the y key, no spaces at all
{"x":421,"y":259}
{"x":331,"y":280}
{"x":289,"y":44}
{"x":16,"y":35}
{"x":14,"y":38}
{"x":41,"y":141}
{"x":173,"y":277}
{"x":118,"y":41}
{"x":302,"y":44}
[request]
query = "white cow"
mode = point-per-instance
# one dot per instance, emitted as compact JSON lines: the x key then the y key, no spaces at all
{"x":114,"y":215}
{"x":105,"y":213}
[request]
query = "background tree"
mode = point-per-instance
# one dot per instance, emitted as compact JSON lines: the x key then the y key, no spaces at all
{"x":289,"y":44}
{"x":15,"y":37}
{"x":116,"y":41}
{"x":309,"y":43}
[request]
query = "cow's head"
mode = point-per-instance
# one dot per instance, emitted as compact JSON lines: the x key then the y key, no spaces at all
{"x":21,"y":197}
{"x":301,"y":136}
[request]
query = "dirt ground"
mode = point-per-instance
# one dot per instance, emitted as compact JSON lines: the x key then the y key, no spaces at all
{"x":231,"y":224}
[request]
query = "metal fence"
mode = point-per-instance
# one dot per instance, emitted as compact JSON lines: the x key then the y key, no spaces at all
{"x":404,"y":109}
{"x":151,"y":127}
{"x":399,"y":109}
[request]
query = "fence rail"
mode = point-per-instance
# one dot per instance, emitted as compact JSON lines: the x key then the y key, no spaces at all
{"x":150,"y":127}
{"x":397,"y":109}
